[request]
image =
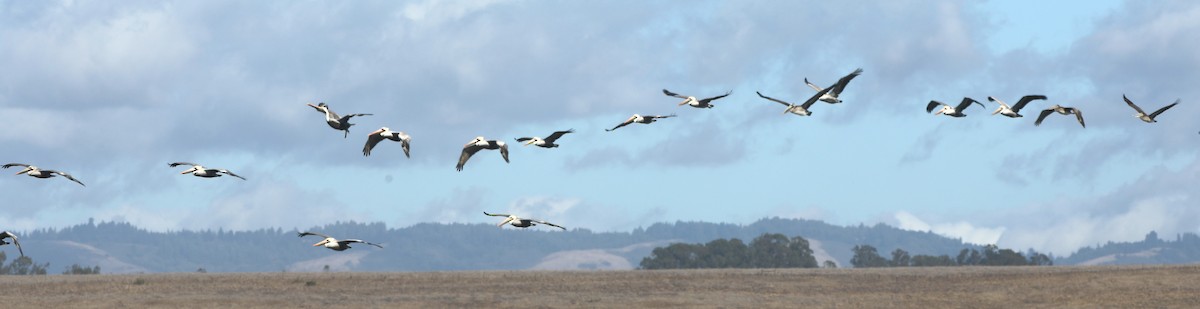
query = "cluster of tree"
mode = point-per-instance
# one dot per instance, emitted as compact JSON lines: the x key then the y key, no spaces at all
{"x":21,"y":266}
{"x":868,"y":256}
{"x":75,"y":269}
{"x":765,"y":251}
{"x":1184,"y":249}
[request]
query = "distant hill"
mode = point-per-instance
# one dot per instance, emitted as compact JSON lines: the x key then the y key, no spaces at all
{"x":1151,"y":250}
{"x":123,"y":248}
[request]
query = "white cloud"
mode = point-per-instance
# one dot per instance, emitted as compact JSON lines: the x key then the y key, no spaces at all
{"x":969,"y":233}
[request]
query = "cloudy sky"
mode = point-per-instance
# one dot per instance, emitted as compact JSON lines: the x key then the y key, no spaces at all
{"x":113,"y":93}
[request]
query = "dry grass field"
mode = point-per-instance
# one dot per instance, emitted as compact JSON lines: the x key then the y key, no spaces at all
{"x":976,"y":287}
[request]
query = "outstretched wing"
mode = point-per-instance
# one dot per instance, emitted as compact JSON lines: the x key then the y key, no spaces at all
{"x":661,"y":117}
{"x":182,"y":163}
{"x":503,"y":150}
{"x":813,"y":99}
{"x":16,"y":242}
{"x":347,"y":117}
{"x":627,"y":122}
{"x":1078,"y":115}
{"x":65,"y":175}
{"x":1134,"y":106}
{"x":932,"y":104}
{"x":496,"y":215}
{"x":1025,"y":100}
{"x":705,"y":101}
{"x":227,"y":172}
{"x":1042,"y":116}
{"x":774,"y":99}
{"x":302,"y":234}
{"x":672,"y":94}
{"x":1159,"y":111}
{"x":550,"y":224}
{"x":841,"y":83}
{"x":405,"y":139}
{"x":372,"y":140}
{"x":966,"y":102}
{"x":554,"y":136}
{"x":15,"y":164}
{"x":994,"y":99}
{"x":814,"y":87}
{"x":358,"y":241}
{"x":524,"y":139}
{"x":468,"y":151}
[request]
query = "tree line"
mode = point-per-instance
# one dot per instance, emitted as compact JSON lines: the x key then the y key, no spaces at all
{"x":766,"y":251}
{"x":866,"y":256}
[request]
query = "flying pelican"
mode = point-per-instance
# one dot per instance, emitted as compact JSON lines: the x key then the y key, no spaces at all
{"x":1015,"y":110}
{"x":477,"y":144}
{"x":384,"y":133}
{"x":691,"y":101}
{"x":952,"y":111}
{"x":639,"y":119}
{"x":832,"y":96}
{"x":34,"y":171}
{"x":1142,"y":115}
{"x":802,"y":109}
{"x":334,"y":244}
{"x":548,"y":142}
{"x":7,"y":234}
{"x":200,"y":171}
{"x":1061,"y":110}
{"x":521,"y":223}
{"x":337,"y":123}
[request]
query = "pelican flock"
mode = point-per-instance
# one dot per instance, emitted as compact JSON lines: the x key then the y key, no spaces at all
{"x":802,"y":109}
{"x":341,"y":123}
{"x":691,"y":101}
{"x":34,"y":171}
{"x":519,"y":222}
{"x":547,"y":142}
{"x":1142,"y":115}
{"x":477,"y":144}
{"x":831,"y":97}
{"x":1014,"y":111}
{"x":201,"y":171}
{"x":384,"y":133}
{"x":1063,"y":110}
{"x":9,"y":235}
{"x":952,"y":111}
{"x":334,"y":244}
{"x":639,"y":119}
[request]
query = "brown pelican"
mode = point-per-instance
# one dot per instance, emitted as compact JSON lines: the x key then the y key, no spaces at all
{"x":34,"y":171}
{"x":1142,"y":115}
{"x":691,"y":101}
{"x":7,"y":234}
{"x":384,"y":133}
{"x":334,"y":244}
{"x":802,"y":109}
{"x":1061,"y":110}
{"x":521,"y":223}
{"x":548,"y":142}
{"x":477,"y":144}
{"x":639,"y":119}
{"x":952,"y":111}
{"x":336,"y":122}
{"x":832,"y":96}
{"x":200,"y":171}
{"x":1015,"y":110}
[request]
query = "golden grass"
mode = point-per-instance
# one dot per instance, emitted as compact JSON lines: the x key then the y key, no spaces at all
{"x":975,"y":287}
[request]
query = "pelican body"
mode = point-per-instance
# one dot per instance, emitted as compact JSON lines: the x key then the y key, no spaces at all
{"x":385,"y":133}
{"x":639,"y":119}
{"x":1015,"y":110}
{"x":9,"y":235}
{"x":477,"y":144}
{"x":548,"y":142}
{"x":952,"y":111}
{"x":201,"y":171}
{"x":341,"y":123}
{"x":1062,"y":110}
{"x":802,"y":109}
{"x":519,"y":222}
{"x":831,"y":97}
{"x":334,"y":244}
{"x":1142,"y":115}
{"x":693,"y":102}
{"x":35,"y":172}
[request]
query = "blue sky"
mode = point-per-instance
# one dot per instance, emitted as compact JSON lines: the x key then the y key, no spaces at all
{"x":113,"y":93}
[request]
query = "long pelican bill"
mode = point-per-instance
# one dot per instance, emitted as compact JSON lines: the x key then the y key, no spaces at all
{"x":530,"y":142}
